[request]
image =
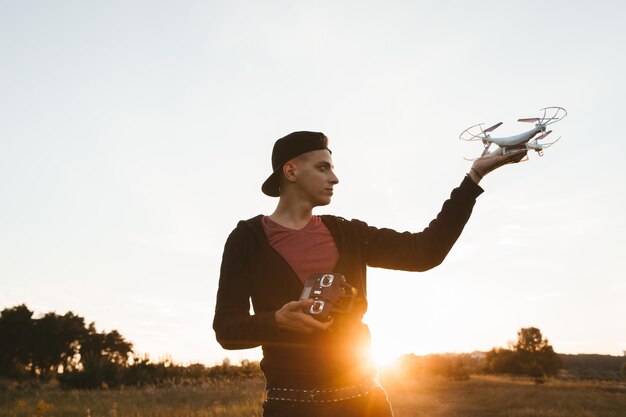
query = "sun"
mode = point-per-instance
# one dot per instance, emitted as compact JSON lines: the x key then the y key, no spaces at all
{"x":385,"y":353}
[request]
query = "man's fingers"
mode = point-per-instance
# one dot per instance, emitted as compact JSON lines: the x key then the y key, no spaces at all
{"x":303,"y":323}
{"x":500,"y":158}
{"x":500,"y":154}
{"x":327,"y":324}
{"x":313,"y":323}
{"x":299,"y":305}
{"x":294,"y":318}
{"x":516,"y":156}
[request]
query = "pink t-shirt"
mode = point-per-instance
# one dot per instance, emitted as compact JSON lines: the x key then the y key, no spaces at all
{"x":310,"y":250}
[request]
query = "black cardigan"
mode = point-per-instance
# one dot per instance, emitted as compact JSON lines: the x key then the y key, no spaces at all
{"x":252,"y":270}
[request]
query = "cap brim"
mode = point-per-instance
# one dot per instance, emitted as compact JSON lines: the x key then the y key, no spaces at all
{"x":271,"y":184}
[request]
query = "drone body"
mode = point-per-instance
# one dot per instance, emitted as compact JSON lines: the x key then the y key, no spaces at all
{"x":525,"y":140}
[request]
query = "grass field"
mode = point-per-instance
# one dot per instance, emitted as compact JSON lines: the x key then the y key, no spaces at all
{"x":481,"y":396}
{"x":506,"y":397}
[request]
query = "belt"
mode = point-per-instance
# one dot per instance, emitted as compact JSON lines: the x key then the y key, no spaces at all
{"x":322,"y":395}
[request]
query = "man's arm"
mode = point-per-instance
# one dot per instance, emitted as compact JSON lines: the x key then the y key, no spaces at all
{"x":235,"y":327}
{"x":485,"y":164}
{"x":387,"y":248}
{"x":421,"y":251}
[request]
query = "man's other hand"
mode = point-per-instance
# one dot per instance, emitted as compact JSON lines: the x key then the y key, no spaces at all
{"x":291,"y":317}
{"x":485,"y":164}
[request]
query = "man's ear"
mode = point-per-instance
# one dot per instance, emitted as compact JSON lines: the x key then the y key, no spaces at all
{"x":290,"y":171}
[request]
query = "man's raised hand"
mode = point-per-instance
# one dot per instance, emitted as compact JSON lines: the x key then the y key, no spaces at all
{"x":485,"y":164}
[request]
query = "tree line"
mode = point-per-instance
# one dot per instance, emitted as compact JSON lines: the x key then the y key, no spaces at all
{"x":530,"y":356}
{"x":594,"y":366}
{"x":67,"y":349}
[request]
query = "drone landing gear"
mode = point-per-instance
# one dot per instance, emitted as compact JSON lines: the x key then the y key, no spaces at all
{"x":486,"y":150}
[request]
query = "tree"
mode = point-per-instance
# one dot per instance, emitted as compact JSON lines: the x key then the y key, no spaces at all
{"x":16,"y":341}
{"x":530,"y":340}
{"x":502,"y":361}
{"x":56,"y":343}
{"x":103,"y":359}
{"x":110,"y":346}
{"x":60,"y":346}
{"x":535,"y":355}
{"x":531,"y":355}
{"x":39,"y":347}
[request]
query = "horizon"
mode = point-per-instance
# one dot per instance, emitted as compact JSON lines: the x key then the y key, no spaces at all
{"x":381,"y":363}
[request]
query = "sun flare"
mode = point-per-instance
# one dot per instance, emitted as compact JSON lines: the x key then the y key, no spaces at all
{"x":385,"y":355}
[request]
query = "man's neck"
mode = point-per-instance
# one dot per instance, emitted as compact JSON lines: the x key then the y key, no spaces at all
{"x":292,"y":214}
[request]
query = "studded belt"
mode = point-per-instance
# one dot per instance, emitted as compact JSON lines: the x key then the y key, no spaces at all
{"x":322,"y":395}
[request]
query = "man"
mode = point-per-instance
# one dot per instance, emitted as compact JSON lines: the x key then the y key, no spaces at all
{"x":315,"y":368}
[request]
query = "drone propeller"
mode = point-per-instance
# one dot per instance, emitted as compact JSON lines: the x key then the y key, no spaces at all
{"x":473,"y":133}
{"x":543,"y":135}
{"x":547,"y":145}
{"x":530,"y":120}
{"x":492,"y":128}
{"x":552,"y":115}
{"x":538,"y":147}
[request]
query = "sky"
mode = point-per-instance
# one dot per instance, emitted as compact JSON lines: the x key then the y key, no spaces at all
{"x":135,"y":134}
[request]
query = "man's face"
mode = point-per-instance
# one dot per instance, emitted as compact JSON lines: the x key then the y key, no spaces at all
{"x":314,"y":177}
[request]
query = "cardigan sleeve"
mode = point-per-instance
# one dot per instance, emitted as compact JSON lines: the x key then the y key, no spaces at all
{"x":386,"y":248}
{"x":235,"y":327}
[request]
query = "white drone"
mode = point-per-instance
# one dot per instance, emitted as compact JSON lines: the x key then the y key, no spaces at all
{"x":526,"y":140}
